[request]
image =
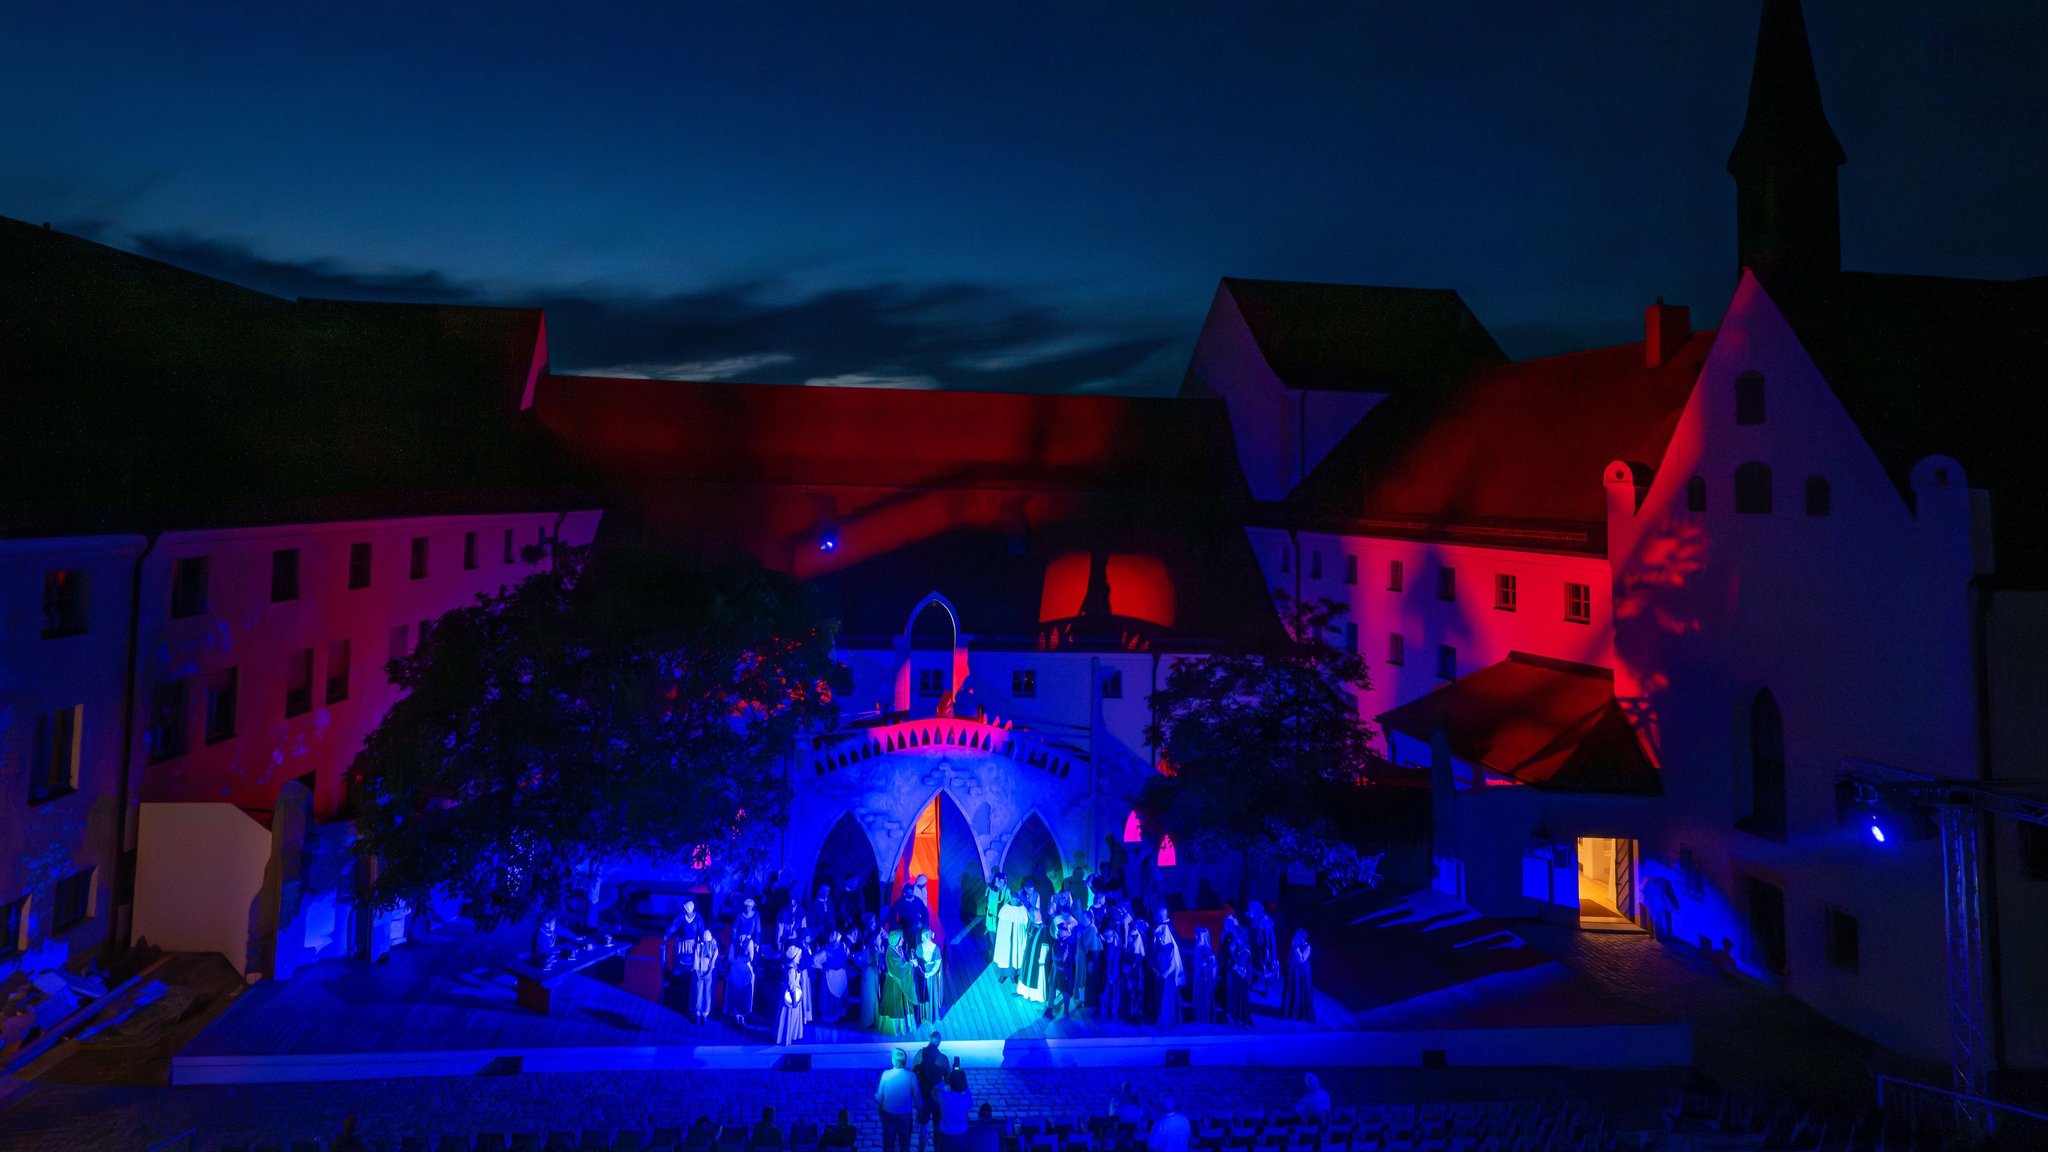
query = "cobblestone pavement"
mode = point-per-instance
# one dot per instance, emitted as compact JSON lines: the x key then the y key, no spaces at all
{"x":62,"y":1118}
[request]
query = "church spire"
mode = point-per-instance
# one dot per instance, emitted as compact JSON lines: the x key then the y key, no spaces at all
{"x":1787,"y":209}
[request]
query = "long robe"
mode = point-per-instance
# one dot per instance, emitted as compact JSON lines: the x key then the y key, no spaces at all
{"x":1035,"y":972}
{"x":1297,"y":993}
{"x":747,"y":924}
{"x":1087,"y":980}
{"x":739,"y":983}
{"x":1136,"y":975}
{"x":704,"y":966}
{"x":993,"y":901}
{"x":806,"y":966}
{"x":832,"y":983}
{"x":928,"y":985}
{"x":1110,"y":1001}
{"x":1202,"y":985}
{"x":1265,"y":949}
{"x":789,"y":1019}
{"x":1237,"y":984}
{"x":872,"y":960}
{"x":894,"y":1006}
{"x":1013,"y":929}
{"x":1168,"y":976}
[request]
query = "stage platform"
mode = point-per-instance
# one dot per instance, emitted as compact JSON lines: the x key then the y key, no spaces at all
{"x":1401,"y":981}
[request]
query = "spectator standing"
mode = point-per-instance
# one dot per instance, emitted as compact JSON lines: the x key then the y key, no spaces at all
{"x":897,"y":1100}
{"x":955,"y":1105}
{"x":1315,"y":1103}
{"x":1171,"y":1132}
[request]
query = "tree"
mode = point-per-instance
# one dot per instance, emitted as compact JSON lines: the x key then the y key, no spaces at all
{"x":1264,"y":752}
{"x":611,"y":706}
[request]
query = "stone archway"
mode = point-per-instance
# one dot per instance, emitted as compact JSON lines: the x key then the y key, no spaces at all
{"x":942,"y":846}
{"x":848,"y":851}
{"x":1034,"y":854}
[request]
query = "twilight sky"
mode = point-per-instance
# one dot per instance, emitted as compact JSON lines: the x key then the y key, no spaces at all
{"x":995,"y":195}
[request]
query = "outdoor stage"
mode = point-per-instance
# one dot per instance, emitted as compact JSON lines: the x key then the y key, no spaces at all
{"x":1401,"y":981}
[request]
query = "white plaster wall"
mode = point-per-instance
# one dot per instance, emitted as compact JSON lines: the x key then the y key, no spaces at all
{"x":199,"y":871}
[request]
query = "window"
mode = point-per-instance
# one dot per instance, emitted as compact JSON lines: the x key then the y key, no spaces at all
{"x":1351,"y":637}
{"x":930,"y":682}
{"x":13,"y":920}
{"x":468,"y":551}
{"x":1843,"y":943}
{"x":188,"y":587}
{"x":1503,"y":592}
{"x":1446,"y":662}
{"x":1819,"y":497}
{"x":1765,"y":904}
{"x":1696,"y":494}
{"x":359,"y":565}
{"x":337,"y":671}
{"x":56,"y":762}
{"x":1766,"y":768}
{"x":1023,"y":683}
{"x":168,"y":704}
{"x":1113,"y":686}
{"x":511,"y":549}
{"x":1315,"y":564}
{"x":1397,"y":649}
{"x":220,"y":707}
{"x":399,"y":634}
{"x":67,"y":593}
{"x":1753,"y":488}
{"x":419,"y":557}
{"x":1749,"y":398}
{"x":1578,"y":603}
{"x":1393,"y":575}
{"x":73,"y":903}
{"x":284,"y":575}
{"x":1447,"y":583}
{"x":1351,"y":569}
{"x":298,"y":683}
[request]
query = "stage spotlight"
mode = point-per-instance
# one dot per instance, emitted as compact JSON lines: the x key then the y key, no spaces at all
{"x":1876,"y":830}
{"x":828,"y":540}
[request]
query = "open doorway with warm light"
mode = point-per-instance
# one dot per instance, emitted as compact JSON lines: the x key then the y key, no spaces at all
{"x":1607,"y":884}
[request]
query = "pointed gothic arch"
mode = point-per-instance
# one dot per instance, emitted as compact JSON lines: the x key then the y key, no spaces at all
{"x":847,"y":849}
{"x":1034,"y":853}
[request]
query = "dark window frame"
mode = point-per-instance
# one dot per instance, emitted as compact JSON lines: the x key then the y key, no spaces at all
{"x":67,"y":602}
{"x":1397,"y":649}
{"x":469,"y":551}
{"x":1023,"y":683}
{"x":191,"y":592}
{"x":1578,"y":603}
{"x":1394,"y":576}
{"x":298,"y":697}
{"x":362,"y":560}
{"x":59,"y":746}
{"x":340,"y":668}
{"x":1842,"y":939}
{"x":169,"y":728}
{"x":1507,"y":592}
{"x":422,"y":558}
{"x":1447,"y":584}
{"x":1351,"y":569}
{"x":1113,"y":685}
{"x":223,"y":701}
{"x":1446,"y":662}
{"x":71,"y":901}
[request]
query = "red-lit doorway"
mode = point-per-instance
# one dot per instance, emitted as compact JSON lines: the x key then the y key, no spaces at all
{"x":942,"y":849}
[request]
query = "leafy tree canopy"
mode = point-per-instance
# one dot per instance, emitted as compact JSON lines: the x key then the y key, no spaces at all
{"x":617,"y":705}
{"x":1265,"y":752}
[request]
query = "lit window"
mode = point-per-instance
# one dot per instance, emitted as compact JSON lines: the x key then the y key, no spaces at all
{"x":1446,"y":662}
{"x":220,"y":707}
{"x":337,"y":670}
{"x":359,"y":565}
{"x":419,"y":557}
{"x":73,"y":903}
{"x":1503,"y":592}
{"x":1023,"y":683}
{"x":1113,"y":686}
{"x":1447,"y":584}
{"x":66,"y":595}
{"x":1167,"y":856}
{"x":167,"y":707}
{"x":1749,"y":398}
{"x":929,"y":682}
{"x":1397,"y":649}
{"x":1351,"y":569}
{"x":188,"y":587}
{"x":56,"y":765}
{"x":1819,"y":497}
{"x":1696,"y":494}
{"x":1753,"y":488}
{"x":1393,"y":575}
{"x":1578,"y":603}
{"x":298,"y":683}
{"x":1134,"y":829}
{"x":468,"y":551}
{"x":284,"y":575}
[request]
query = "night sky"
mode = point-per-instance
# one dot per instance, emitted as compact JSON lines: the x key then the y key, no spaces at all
{"x":995,"y":195}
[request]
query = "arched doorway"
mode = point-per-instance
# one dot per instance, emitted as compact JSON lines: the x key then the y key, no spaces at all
{"x":1035,"y":856}
{"x":932,"y":662}
{"x":848,"y":854}
{"x":943,"y":849}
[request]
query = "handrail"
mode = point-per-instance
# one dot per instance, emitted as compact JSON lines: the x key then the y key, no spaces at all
{"x":1972,"y":1113}
{"x":190,"y":1138}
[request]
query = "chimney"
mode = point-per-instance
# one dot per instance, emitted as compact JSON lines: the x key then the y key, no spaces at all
{"x":1666,"y":328}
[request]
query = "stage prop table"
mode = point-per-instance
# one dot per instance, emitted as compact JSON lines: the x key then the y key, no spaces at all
{"x":538,"y":976}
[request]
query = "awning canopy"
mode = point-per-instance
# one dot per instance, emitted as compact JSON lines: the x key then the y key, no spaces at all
{"x":1542,"y":722}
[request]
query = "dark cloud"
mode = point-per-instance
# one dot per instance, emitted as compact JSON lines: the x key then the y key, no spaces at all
{"x":959,"y":335}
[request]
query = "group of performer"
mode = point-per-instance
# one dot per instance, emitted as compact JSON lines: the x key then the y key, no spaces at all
{"x":1099,"y":956}
{"x":1079,"y":952}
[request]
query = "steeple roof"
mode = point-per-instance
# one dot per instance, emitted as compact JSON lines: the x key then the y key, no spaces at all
{"x":1785,"y":121}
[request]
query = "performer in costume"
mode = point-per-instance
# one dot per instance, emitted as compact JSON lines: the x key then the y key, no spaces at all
{"x":1237,"y":982}
{"x":1297,"y":993}
{"x":807,"y":964}
{"x":925,"y":964}
{"x":1031,"y":973}
{"x":993,"y":898}
{"x":894,"y":1012}
{"x":790,"y":925}
{"x":832,"y":964}
{"x":874,"y":959}
{"x":1265,"y":945}
{"x":687,"y":925}
{"x":824,"y":911}
{"x":851,"y":906}
{"x":1136,"y":973}
{"x":739,"y":980}
{"x":1086,"y":962}
{"x":789,"y":1018}
{"x":1202,"y":981}
{"x":748,"y":922}
{"x":1110,"y":1000}
{"x":704,"y":971}
{"x":1168,"y":974}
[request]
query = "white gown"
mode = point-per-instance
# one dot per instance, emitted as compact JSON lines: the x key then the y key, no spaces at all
{"x":1013,"y":932}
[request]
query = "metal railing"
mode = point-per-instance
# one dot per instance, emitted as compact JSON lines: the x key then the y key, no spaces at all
{"x":1940,"y":1117}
